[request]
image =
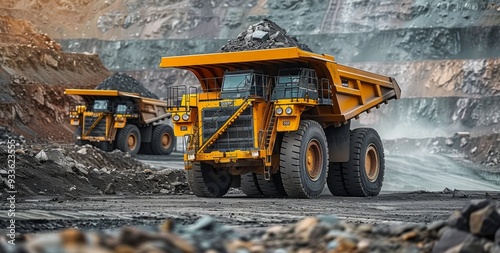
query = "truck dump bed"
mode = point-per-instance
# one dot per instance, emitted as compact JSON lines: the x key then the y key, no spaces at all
{"x":347,"y":91}
{"x":151,"y":109}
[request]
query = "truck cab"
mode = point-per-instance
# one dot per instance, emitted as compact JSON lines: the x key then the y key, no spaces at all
{"x":242,"y":84}
{"x":296,"y":83}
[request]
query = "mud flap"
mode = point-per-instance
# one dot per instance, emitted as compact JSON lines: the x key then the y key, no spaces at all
{"x":338,"y":142}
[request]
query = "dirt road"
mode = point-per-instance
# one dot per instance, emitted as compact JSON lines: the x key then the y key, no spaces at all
{"x":410,"y":202}
{"x":46,"y":213}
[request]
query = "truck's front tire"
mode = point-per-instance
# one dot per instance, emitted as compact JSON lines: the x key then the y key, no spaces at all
{"x":163,"y":140}
{"x":273,"y":187}
{"x":129,"y":139}
{"x":207,"y":181}
{"x":77,"y":137}
{"x":304,"y":160}
{"x":363,"y":174}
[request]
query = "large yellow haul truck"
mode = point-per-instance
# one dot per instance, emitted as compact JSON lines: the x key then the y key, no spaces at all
{"x":111,"y":119}
{"x":277,"y":121}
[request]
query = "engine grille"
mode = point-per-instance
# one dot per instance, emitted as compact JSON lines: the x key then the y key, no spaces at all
{"x":239,"y":135}
{"x":99,"y":130}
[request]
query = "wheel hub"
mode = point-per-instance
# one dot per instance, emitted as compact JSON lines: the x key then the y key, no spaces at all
{"x":131,"y":142}
{"x":166,"y":140}
{"x":372,"y":164}
{"x":314,"y":161}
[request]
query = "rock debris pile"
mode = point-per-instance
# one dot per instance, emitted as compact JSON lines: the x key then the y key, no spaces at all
{"x":7,"y":135}
{"x":23,"y":33}
{"x":124,"y":82}
{"x":264,"y":35}
{"x":476,"y":228}
{"x":72,"y":171}
{"x":34,"y":72}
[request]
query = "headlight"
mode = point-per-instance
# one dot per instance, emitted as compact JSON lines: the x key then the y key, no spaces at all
{"x":288,"y":110}
{"x":185,"y":117}
{"x":176,"y":117}
{"x":279,"y":110}
{"x":255,"y":154}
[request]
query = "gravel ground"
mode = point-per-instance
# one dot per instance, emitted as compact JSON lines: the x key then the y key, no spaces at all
{"x":391,"y":222}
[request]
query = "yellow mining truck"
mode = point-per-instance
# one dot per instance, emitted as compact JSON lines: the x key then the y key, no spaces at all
{"x":278,"y":122}
{"x":112,"y":119}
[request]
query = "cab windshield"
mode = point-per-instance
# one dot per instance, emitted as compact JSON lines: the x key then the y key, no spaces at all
{"x":100,"y":105}
{"x":289,"y":80}
{"x":236,"y":82}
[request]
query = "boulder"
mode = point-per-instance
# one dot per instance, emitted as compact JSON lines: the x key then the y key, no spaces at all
{"x":484,"y":222}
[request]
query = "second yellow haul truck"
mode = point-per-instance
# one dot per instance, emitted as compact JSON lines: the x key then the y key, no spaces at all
{"x":111,"y":119}
{"x":277,"y":121}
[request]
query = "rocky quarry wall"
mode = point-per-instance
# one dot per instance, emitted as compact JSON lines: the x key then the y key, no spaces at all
{"x":444,"y":54}
{"x":34,"y":72}
{"x":434,"y":49}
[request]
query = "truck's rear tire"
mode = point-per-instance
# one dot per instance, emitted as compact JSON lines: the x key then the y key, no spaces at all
{"x":335,"y":179}
{"x":162,"y":140}
{"x":129,"y":139}
{"x":273,"y":187}
{"x":250,"y":186}
{"x":207,"y":181}
{"x":363,"y":174}
{"x":304,"y":160}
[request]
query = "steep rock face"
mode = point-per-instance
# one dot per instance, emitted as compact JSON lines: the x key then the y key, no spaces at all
{"x":181,"y":19}
{"x":446,"y":48}
{"x":34,"y":72}
{"x":385,"y":46}
{"x":441,"y":77}
{"x":429,"y":117}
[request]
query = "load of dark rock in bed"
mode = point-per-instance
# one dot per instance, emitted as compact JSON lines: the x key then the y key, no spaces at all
{"x":126,"y":83}
{"x":264,"y":35}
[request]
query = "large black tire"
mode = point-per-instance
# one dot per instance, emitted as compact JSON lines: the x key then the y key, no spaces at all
{"x":335,"y":180}
{"x":129,"y":139}
{"x":363,"y":174}
{"x":207,"y":181}
{"x":249,"y":185}
{"x":273,"y":187}
{"x":78,"y":133}
{"x":162,"y":140}
{"x":304,"y":160}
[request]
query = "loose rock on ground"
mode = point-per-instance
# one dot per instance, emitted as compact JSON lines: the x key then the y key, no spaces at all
{"x":476,"y":228}
{"x":72,"y":171}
